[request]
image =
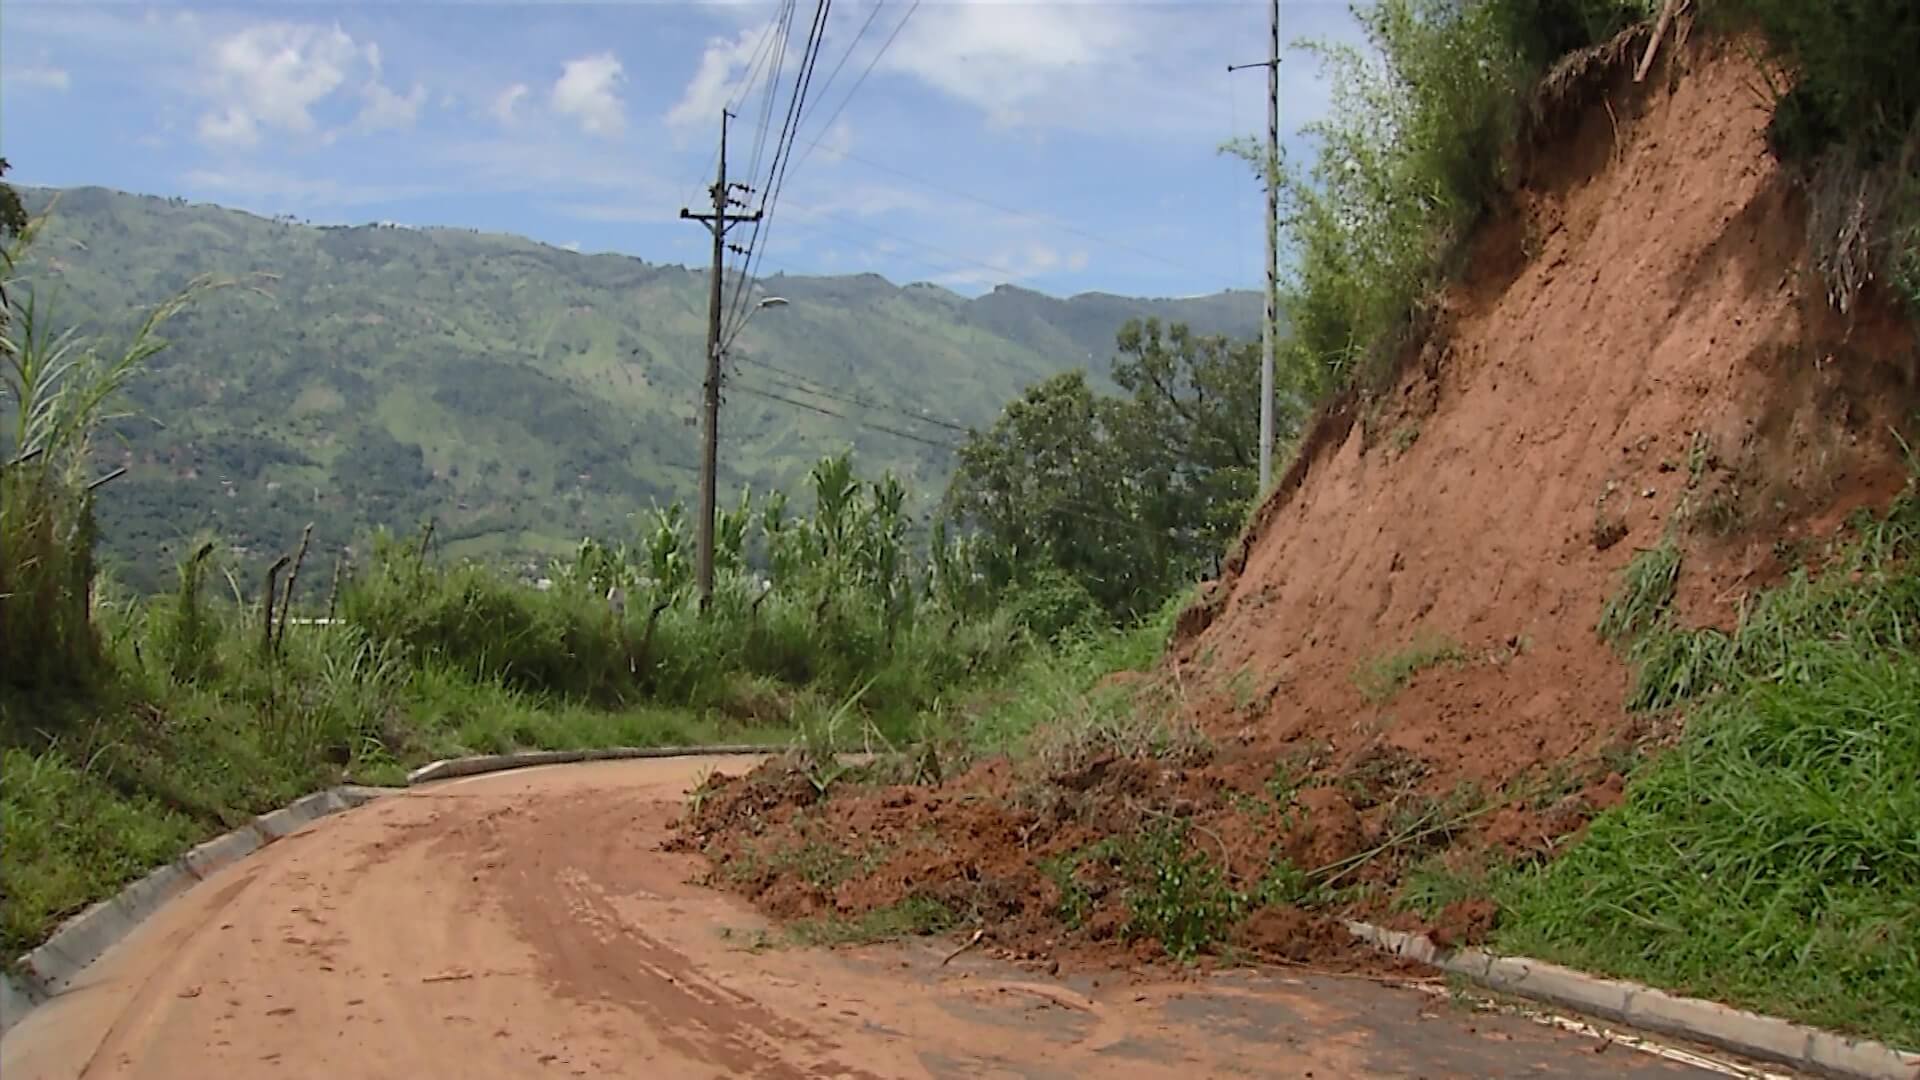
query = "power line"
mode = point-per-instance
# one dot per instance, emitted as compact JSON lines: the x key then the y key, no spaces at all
{"x":861,"y":81}
{"x":864,"y":403}
{"x":824,"y":411}
{"x":844,"y":57}
{"x":782,"y":156}
{"x":760,"y":53}
{"x":780,"y":29}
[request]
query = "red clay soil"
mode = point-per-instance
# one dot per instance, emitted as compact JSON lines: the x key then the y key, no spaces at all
{"x":1639,"y":349}
{"x":1642,"y":333}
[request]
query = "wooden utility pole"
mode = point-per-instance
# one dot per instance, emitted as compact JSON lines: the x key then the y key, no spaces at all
{"x":718,"y":222}
{"x":1272,"y":173}
{"x":1273,"y":257}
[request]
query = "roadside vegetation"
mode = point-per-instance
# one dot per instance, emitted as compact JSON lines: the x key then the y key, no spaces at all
{"x":1772,"y":858}
{"x":1765,"y":851}
{"x":1767,"y":857}
{"x":132,"y":726}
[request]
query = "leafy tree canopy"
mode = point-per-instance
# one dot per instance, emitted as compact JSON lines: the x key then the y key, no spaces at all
{"x":1134,"y":495}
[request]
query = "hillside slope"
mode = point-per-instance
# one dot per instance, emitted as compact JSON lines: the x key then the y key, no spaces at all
{"x":1639,"y":350}
{"x":1396,"y":703}
{"x":521,"y":394}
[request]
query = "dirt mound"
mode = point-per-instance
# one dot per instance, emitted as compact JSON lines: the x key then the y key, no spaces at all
{"x":1401,"y":663}
{"x":1639,"y":349}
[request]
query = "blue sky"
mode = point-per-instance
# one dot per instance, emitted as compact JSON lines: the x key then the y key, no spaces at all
{"x":1064,"y":146}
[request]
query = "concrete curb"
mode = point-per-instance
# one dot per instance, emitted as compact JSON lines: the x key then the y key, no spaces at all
{"x":526,"y":759}
{"x":1764,"y":1038}
{"x":53,"y":967}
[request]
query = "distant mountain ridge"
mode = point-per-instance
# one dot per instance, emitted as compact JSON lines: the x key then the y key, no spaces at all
{"x":519,"y":394}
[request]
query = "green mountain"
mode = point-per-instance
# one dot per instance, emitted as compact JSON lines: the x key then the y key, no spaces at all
{"x":517,"y":394}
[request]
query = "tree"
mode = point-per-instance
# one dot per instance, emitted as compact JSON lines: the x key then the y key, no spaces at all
{"x":13,"y":215}
{"x":1132,"y":497}
{"x":1192,"y":429}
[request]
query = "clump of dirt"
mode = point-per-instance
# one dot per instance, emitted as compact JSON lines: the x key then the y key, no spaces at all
{"x":1638,"y":351}
{"x":1464,"y":922}
{"x":1140,"y":856}
{"x":1294,"y":935}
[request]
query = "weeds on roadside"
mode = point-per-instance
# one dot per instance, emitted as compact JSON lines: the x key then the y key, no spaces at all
{"x":912,"y":917}
{"x":1768,"y":860}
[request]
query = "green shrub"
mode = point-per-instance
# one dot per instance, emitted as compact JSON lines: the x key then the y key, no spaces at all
{"x":1772,"y":859}
{"x":1412,"y":156}
{"x":182,"y":632}
{"x":56,"y":390}
{"x":1854,"y":83}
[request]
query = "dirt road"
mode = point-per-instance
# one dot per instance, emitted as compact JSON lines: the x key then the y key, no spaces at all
{"x":526,"y":925}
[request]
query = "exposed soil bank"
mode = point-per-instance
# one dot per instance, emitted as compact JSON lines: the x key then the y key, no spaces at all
{"x":1401,"y":662}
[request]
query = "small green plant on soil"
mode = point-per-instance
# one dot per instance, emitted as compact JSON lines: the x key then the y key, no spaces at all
{"x":1175,"y":893}
{"x":1645,"y":591}
{"x":1430,"y":885}
{"x":1384,"y":677}
{"x":1242,"y":688}
{"x":914,"y":916}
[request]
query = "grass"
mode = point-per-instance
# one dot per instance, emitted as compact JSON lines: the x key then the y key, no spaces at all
{"x":1383,"y":677}
{"x":97,"y":791}
{"x":1772,"y":859}
{"x":1645,"y":592}
{"x":915,"y":916}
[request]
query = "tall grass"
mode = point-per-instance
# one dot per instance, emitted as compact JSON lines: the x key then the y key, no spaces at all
{"x":1415,"y":151}
{"x":1773,"y":858}
{"x":56,"y":389}
{"x":847,"y":608}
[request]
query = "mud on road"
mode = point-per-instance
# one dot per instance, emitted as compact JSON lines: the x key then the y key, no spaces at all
{"x":529,"y":924}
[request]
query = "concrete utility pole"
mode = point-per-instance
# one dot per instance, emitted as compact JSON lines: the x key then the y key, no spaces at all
{"x":1273,"y":248}
{"x":717,"y":223}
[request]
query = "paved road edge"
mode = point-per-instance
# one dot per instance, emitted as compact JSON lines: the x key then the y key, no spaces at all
{"x":54,"y":966}
{"x":1764,"y":1038}
{"x":84,"y":938}
{"x":527,"y":759}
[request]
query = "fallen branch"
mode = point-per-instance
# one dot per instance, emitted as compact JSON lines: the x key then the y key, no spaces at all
{"x":1667,"y":12}
{"x":1412,"y":834}
{"x":971,"y":942}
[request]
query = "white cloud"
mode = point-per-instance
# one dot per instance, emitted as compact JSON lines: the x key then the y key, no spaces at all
{"x":1006,"y":59}
{"x":230,"y":125}
{"x":836,"y":141}
{"x":503,"y":105}
{"x":571,"y":245}
{"x":1020,"y":264}
{"x":1145,"y":69}
{"x":276,"y":76}
{"x":271,"y":76}
{"x":723,"y":67}
{"x":385,"y":109}
{"x":587,"y":90}
{"x":44,"y":76}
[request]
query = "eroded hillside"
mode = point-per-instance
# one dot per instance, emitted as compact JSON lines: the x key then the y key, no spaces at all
{"x":1639,"y":350}
{"x":1401,"y":667}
